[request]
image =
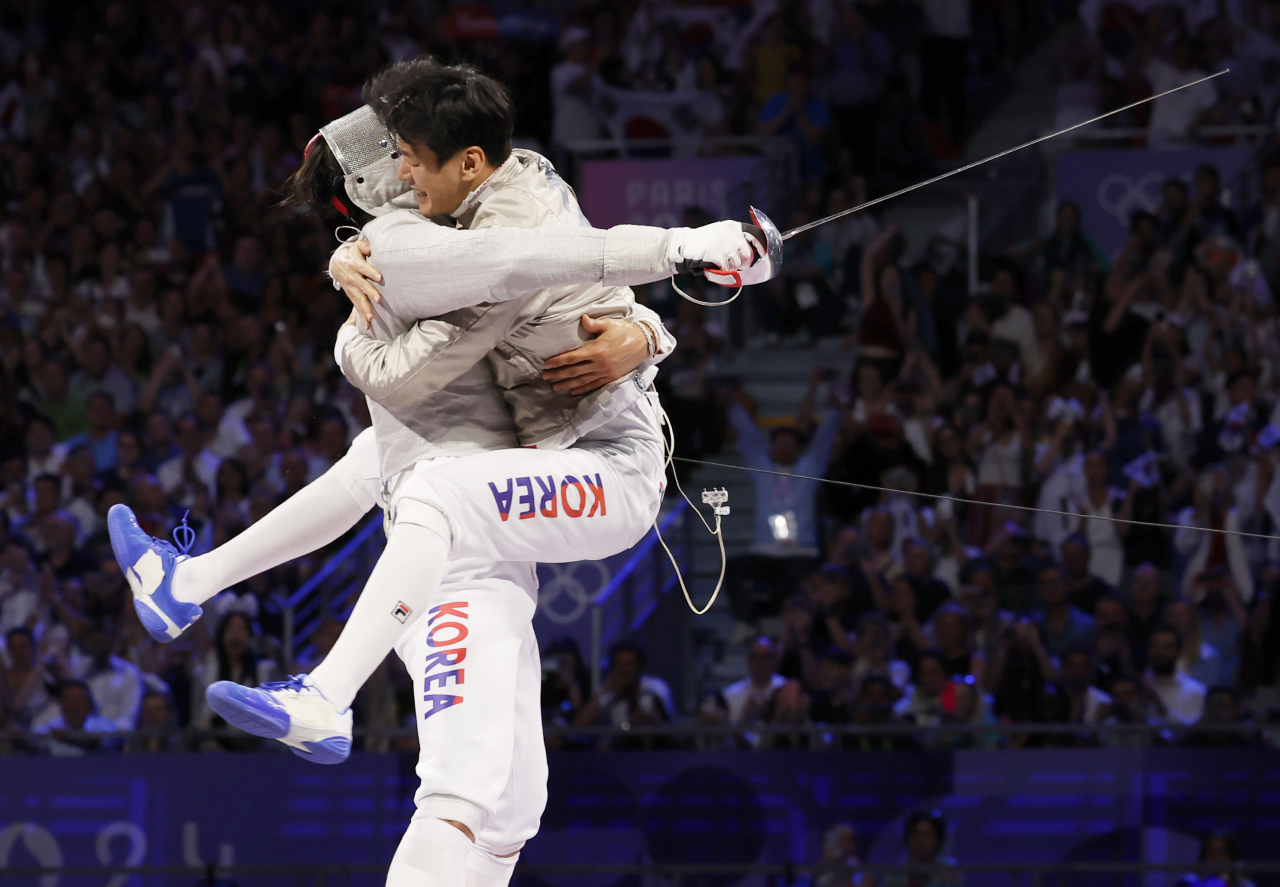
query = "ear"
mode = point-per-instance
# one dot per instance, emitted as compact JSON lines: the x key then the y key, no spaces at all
{"x":473,"y":161}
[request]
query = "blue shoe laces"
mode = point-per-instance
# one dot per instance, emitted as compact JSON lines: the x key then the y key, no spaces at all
{"x":294,"y":683}
{"x":184,"y":535}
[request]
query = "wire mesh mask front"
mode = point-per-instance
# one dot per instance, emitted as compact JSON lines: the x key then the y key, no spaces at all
{"x":362,"y":146}
{"x":357,"y":140}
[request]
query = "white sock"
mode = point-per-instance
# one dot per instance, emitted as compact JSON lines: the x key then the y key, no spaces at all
{"x":311,"y":518}
{"x":406,"y":577}
{"x":432,"y":853}
{"x":486,"y":870}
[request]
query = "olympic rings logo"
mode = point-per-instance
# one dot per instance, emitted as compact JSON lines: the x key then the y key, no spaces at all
{"x":1120,"y":196}
{"x":578,"y":583}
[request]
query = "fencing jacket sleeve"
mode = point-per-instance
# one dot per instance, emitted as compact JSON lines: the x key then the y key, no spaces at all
{"x":433,"y":270}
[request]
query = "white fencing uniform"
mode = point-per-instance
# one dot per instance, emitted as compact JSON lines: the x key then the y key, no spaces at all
{"x":480,"y":730}
{"x":477,"y":677}
{"x":588,"y":502}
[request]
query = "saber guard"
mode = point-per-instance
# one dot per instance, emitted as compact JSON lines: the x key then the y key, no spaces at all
{"x":768,"y":263}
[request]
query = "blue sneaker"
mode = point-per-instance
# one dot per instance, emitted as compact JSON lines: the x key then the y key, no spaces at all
{"x":148,"y":565}
{"x":291,"y":711}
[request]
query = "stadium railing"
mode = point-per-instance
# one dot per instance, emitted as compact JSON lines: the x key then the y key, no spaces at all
{"x":671,"y":875}
{"x":816,"y":737}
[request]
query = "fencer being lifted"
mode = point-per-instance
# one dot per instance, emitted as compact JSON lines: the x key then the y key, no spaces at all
{"x":591,"y":487}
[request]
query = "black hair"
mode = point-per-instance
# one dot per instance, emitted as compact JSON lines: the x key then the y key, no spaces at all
{"x":932,"y":653}
{"x":64,"y":686}
{"x":628,"y":647}
{"x":248,"y":661}
{"x":319,"y":182}
{"x":877,"y":679}
{"x":48,"y":478}
{"x":1078,"y":650}
{"x":22,"y":630}
{"x":1223,"y":690}
{"x":1078,"y":539}
{"x":41,"y":419}
{"x":787,"y":429}
{"x":447,"y":108}
{"x":102,"y":395}
{"x":1233,"y":846}
{"x":837,"y":655}
{"x":935,"y":819}
{"x":1208,"y":169}
{"x":1164,"y":628}
{"x":1139,"y":216}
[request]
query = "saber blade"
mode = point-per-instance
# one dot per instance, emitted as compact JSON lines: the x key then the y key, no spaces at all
{"x":831,"y":218}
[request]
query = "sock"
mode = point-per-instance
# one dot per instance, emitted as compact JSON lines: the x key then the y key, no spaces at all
{"x":432,"y":853}
{"x":405,"y":579}
{"x":486,"y":870}
{"x":311,"y":518}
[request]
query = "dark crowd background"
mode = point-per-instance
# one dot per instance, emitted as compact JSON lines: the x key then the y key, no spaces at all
{"x":165,"y":338}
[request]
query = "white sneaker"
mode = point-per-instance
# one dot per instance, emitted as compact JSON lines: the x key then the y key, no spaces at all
{"x":291,"y":711}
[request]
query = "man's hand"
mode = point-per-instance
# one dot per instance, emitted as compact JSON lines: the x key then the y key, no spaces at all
{"x":618,"y":348}
{"x":352,"y":271}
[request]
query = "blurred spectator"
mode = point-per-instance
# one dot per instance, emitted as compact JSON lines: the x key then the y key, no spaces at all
{"x":1131,"y":705}
{"x":1061,"y":625}
{"x":801,"y":114}
{"x":77,"y":729}
{"x":28,"y":686}
{"x":749,"y":699}
{"x":1146,"y":612}
{"x":872,"y":648}
{"x":232,"y":658}
{"x":566,"y":682}
{"x":571,"y":89}
{"x":1181,"y":696}
{"x":922,"y":703}
{"x":786,"y":537}
{"x":1222,"y":709}
{"x":860,"y":58}
{"x":627,"y":696}
{"x":116,"y":684}
{"x":969,"y":709}
{"x":1089,"y":705}
{"x":1084,"y":588}
{"x":924,"y":835}
{"x":1199,"y":658}
{"x":839,"y":864}
{"x":1218,"y":849}
{"x":1174,"y":118}
{"x":831,"y":701}
{"x":157,"y":727}
{"x":873,"y":707}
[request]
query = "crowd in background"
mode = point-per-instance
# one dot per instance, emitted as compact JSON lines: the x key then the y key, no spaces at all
{"x":165,"y":338}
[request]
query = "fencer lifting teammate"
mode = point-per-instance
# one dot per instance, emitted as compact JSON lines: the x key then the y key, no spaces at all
{"x":452,"y":397}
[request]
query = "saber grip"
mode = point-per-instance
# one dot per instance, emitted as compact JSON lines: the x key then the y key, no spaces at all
{"x":755,"y":232}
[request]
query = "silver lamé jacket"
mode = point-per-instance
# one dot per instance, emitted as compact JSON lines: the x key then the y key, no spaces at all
{"x":425,"y":378}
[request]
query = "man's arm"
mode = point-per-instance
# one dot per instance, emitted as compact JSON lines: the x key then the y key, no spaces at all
{"x":427,"y":270}
{"x":433,"y":353}
{"x":425,"y":358}
{"x":815,"y":458}
{"x":752,"y":443}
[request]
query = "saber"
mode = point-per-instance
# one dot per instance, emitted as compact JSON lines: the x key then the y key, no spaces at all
{"x":831,"y":218}
{"x":770,"y":261}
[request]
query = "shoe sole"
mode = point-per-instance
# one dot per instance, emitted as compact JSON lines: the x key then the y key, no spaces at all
{"x":334,"y":750}
{"x":240,"y":709}
{"x":244,"y":714}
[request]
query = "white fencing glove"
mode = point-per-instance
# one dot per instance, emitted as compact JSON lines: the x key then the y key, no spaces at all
{"x":725,"y":245}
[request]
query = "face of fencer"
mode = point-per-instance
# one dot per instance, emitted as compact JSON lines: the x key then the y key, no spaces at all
{"x":439,"y":186}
